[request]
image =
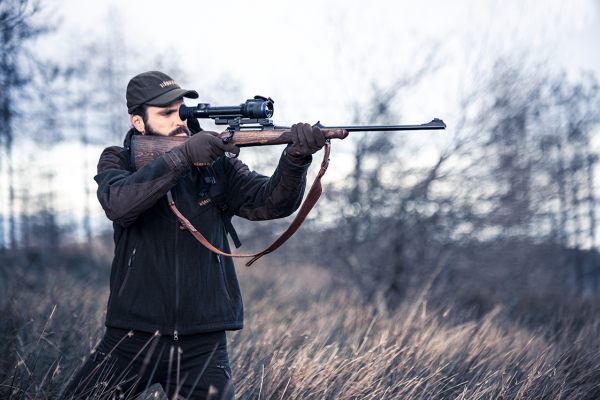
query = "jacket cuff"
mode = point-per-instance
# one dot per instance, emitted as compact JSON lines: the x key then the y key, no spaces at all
{"x":293,"y":169}
{"x":176,"y":161}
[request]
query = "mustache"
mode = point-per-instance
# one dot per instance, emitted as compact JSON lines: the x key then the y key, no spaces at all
{"x":181,"y":129}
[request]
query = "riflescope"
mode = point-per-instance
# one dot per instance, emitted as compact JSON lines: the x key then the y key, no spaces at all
{"x":258,"y":108}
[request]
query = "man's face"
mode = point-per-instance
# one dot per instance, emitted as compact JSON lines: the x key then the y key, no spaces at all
{"x":163,"y":121}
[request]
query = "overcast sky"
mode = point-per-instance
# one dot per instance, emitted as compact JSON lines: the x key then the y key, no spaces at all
{"x":325,"y":52}
{"x":317,"y":57}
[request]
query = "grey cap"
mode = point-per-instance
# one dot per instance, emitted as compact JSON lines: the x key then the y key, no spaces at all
{"x":154,"y":88}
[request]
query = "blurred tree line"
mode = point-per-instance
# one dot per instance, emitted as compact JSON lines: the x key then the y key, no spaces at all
{"x":78,"y":98}
{"x":504,"y":212}
{"x":16,"y":30}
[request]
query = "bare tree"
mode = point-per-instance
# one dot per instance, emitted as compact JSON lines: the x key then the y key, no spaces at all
{"x":16,"y":71}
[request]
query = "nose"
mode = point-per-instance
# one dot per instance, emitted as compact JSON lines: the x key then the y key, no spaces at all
{"x":179,"y":122}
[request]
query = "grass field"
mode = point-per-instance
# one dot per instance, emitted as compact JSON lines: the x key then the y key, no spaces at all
{"x":305,"y":338}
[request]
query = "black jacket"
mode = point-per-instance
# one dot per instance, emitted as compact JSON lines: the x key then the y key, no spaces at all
{"x":162,"y":278}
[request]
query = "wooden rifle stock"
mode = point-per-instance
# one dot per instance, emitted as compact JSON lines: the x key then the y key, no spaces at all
{"x":147,"y":148}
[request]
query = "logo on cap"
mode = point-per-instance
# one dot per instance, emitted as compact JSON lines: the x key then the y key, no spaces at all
{"x":167,"y":83}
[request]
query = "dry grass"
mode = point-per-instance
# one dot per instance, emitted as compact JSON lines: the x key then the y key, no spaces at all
{"x":304,"y":340}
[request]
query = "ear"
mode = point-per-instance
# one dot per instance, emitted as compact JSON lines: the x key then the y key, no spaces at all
{"x":138,"y":123}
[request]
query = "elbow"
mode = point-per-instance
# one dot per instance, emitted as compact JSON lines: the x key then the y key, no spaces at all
{"x":119,"y":217}
{"x":117,"y":212}
{"x":285,"y":209}
{"x":273,"y":208}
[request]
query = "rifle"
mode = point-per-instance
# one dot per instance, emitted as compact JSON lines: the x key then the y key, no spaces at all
{"x":249,"y":124}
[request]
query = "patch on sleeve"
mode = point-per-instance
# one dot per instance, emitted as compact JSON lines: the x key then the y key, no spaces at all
{"x":110,"y":159}
{"x":239,"y":166}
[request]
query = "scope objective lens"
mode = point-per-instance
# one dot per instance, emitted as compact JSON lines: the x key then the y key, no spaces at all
{"x":267,"y":109}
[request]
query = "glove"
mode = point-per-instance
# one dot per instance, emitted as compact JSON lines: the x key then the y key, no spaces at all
{"x":306,"y":140}
{"x":202,"y":149}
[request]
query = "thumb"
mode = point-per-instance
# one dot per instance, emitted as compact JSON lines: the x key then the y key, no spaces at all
{"x":231,"y":148}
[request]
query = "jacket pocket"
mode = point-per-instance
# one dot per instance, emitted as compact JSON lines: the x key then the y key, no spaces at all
{"x":129,"y":264}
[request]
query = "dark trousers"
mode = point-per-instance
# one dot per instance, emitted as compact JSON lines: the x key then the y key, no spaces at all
{"x":193,"y":367}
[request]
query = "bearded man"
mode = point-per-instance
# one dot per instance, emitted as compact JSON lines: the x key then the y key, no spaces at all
{"x":171,"y":299}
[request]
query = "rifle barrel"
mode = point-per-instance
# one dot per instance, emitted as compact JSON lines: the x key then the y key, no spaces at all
{"x":436,"y":123}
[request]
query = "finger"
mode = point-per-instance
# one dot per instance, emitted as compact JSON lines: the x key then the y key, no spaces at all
{"x":300,"y":135}
{"x":311,"y":140}
{"x":199,"y":138}
{"x":319,"y":136}
{"x":231,"y":148}
{"x":216,"y":146}
{"x":212,"y":133}
{"x":295,"y":139}
{"x":309,"y":144}
{"x":226,"y":146}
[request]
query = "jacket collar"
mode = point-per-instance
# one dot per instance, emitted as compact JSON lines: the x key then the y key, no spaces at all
{"x":127,"y":140}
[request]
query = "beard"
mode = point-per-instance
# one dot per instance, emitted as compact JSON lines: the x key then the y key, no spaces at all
{"x":176,"y":131}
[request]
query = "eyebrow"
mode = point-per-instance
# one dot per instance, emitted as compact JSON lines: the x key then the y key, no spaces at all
{"x":168,"y":111}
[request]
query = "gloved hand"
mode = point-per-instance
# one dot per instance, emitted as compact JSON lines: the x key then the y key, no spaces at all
{"x":202,"y":149}
{"x":306,"y":140}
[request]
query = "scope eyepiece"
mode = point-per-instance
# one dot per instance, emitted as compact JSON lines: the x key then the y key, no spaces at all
{"x":258,"y":108}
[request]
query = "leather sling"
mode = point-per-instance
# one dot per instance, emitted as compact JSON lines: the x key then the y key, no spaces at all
{"x":311,"y":199}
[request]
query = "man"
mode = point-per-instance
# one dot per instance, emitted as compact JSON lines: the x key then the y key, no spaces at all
{"x":177,"y":296}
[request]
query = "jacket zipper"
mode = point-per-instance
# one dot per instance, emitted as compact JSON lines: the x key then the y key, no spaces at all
{"x":224,"y":368}
{"x":127,"y":273}
{"x":222,"y":273}
{"x":175,"y":333}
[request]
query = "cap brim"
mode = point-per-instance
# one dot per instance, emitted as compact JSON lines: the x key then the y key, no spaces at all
{"x":171,"y":96}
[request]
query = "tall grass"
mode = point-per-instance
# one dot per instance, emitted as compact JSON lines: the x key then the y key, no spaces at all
{"x":305,"y":338}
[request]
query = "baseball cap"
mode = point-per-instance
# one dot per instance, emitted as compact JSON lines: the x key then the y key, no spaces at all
{"x":154,"y":88}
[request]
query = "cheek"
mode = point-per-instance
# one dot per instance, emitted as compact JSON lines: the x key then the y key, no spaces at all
{"x":175,"y":120}
{"x":164,"y":123}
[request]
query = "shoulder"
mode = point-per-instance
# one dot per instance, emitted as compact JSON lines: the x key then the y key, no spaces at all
{"x":113,"y":157}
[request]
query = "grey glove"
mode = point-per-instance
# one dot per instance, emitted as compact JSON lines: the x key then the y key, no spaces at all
{"x":202,"y":149}
{"x":306,"y":140}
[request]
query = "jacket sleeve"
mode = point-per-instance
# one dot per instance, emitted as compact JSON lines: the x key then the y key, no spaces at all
{"x":257,"y":197}
{"x":123,"y":194}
